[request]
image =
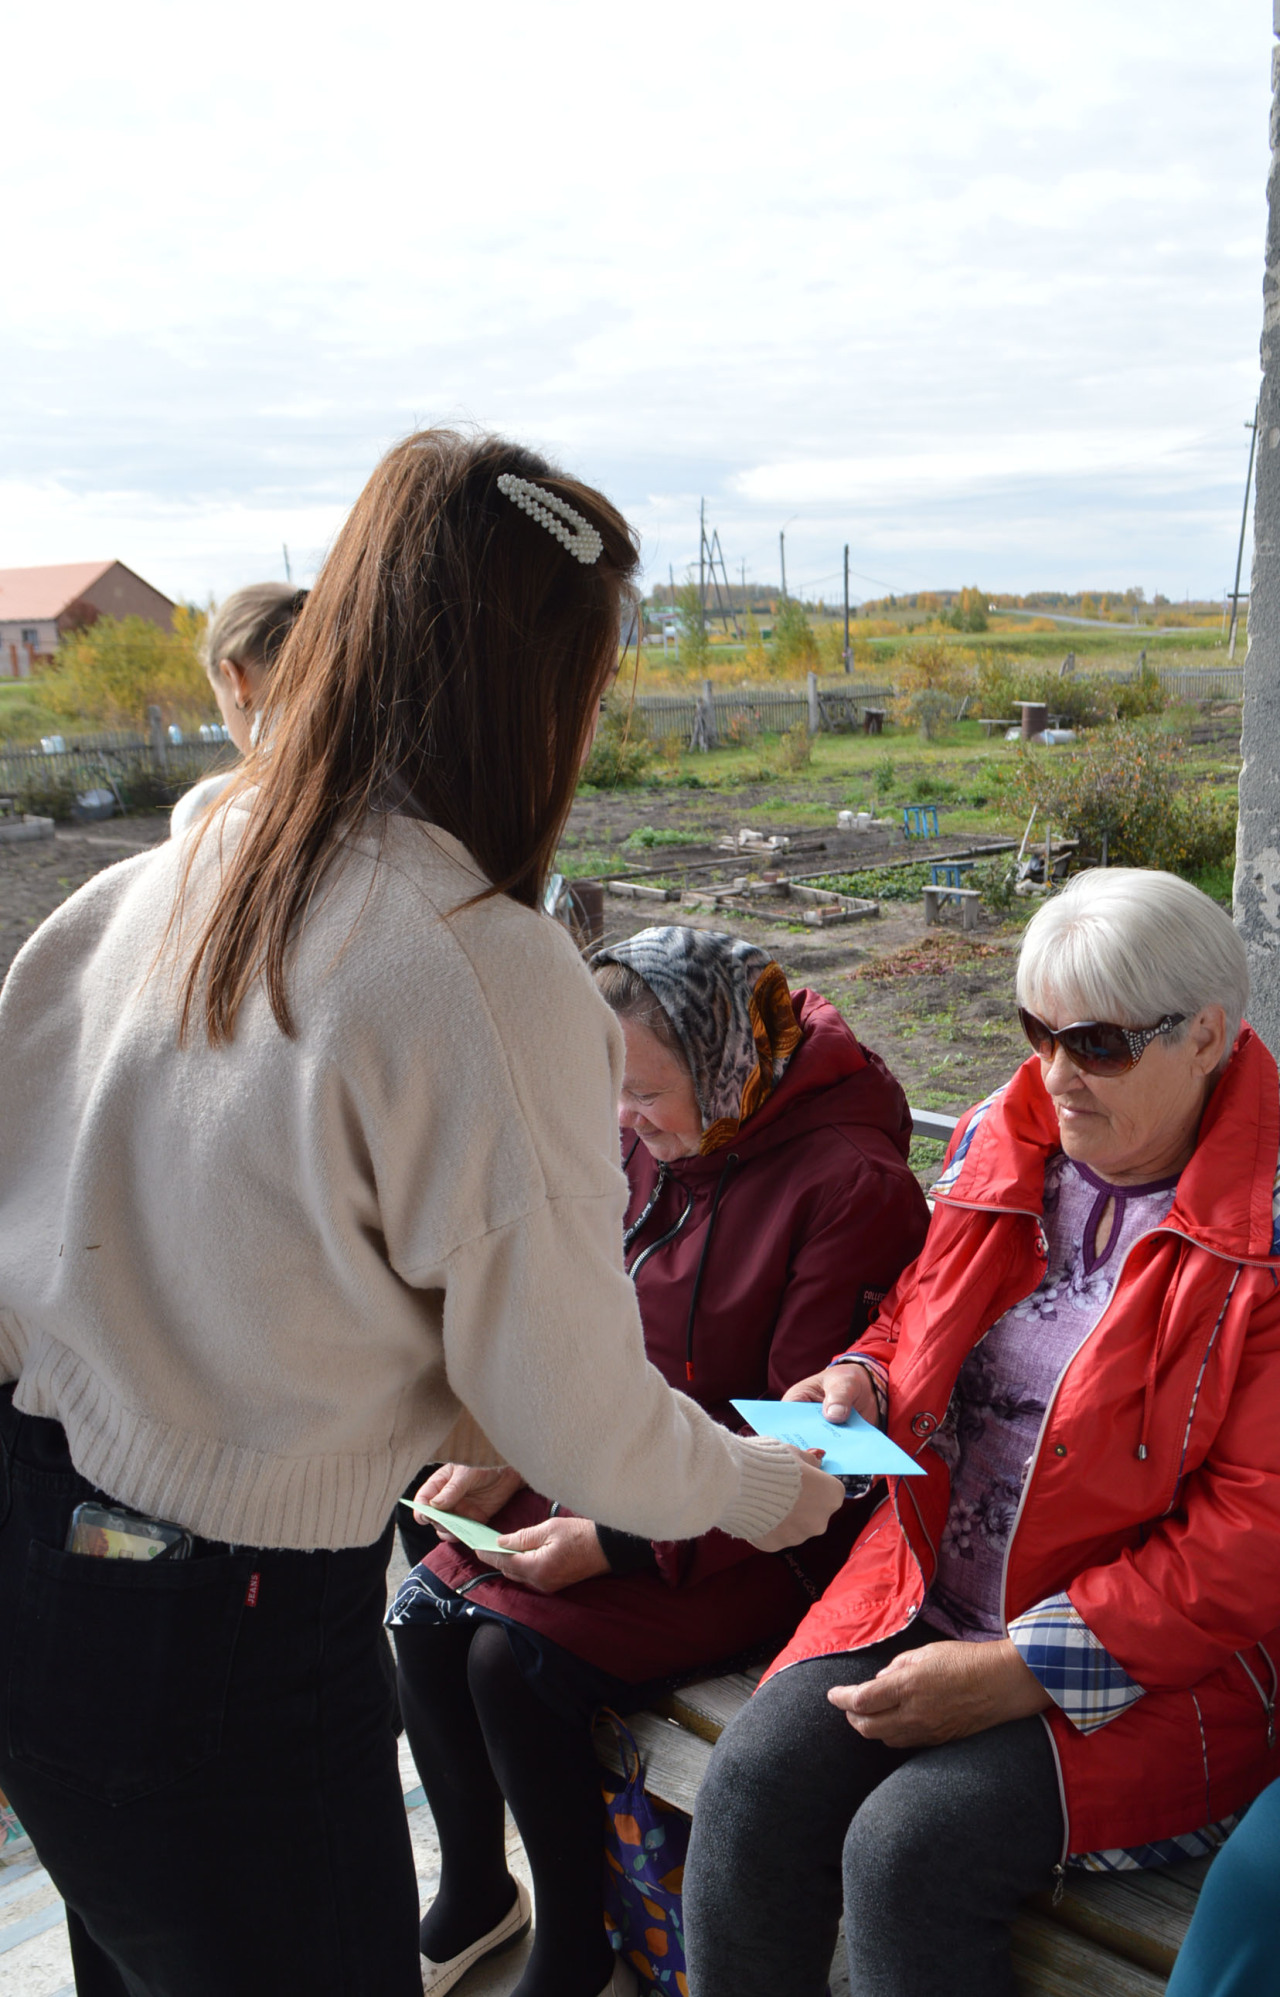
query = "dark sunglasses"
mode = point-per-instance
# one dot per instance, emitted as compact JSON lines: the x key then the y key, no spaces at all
{"x":1093,"y":1046}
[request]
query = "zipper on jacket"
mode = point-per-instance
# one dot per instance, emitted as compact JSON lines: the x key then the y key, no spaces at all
{"x":663,"y":1239}
{"x":1034,"y":1459}
{"x":1268,"y":1698}
{"x":730,"y":1167}
{"x":630,"y":1233}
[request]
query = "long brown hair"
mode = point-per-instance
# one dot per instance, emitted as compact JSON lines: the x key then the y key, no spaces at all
{"x":446,"y":663}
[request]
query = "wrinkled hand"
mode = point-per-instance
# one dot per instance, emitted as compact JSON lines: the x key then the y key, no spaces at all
{"x":549,"y":1556}
{"x":472,"y":1493}
{"x":943,"y":1691}
{"x":839,"y":1389}
{"x":821,"y":1496}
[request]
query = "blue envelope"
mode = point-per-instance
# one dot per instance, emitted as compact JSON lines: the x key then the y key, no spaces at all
{"x":851,"y":1449}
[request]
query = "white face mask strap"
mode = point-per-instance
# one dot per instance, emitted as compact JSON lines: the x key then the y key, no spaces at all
{"x":569,"y":527}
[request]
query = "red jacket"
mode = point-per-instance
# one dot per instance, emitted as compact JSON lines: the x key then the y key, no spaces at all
{"x":1153,"y":1496}
{"x":754,"y":1264}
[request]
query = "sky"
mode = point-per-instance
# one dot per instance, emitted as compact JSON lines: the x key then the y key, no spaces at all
{"x":976,"y":290}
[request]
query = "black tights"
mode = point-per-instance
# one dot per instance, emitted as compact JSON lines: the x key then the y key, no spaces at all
{"x":480,"y":1733}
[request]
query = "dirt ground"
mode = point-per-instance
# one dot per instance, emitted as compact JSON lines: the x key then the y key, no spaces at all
{"x":37,"y":875}
{"x":937,"y":1004}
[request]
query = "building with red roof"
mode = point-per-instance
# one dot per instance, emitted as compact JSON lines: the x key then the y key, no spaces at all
{"x":37,"y":606}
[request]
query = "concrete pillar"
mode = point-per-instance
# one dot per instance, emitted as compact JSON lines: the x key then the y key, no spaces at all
{"x":1257,"y":882}
{"x":815,"y":712}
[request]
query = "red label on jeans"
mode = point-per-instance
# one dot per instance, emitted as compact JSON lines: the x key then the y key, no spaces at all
{"x":251,"y":1592}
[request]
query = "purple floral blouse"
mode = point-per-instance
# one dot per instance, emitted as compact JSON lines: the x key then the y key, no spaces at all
{"x":1005,"y":1386}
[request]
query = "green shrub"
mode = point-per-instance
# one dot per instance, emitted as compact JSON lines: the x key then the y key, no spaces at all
{"x":1218,"y":881}
{"x":994,"y":880}
{"x":880,"y":883}
{"x":795,"y":649}
{"x":932,"y":680}
{"x":795,"y":748}
{"x":1081,"y":700}
{"x":1143,"y":695}
{"x":621,"y":753}
{"x":45,"y":794}
{"x":694,"y":644}
{"x":1122,"y":796}
{"x":925,"y":788}
{"x":646,"y":837}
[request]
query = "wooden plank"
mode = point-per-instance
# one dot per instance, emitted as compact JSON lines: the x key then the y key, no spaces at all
{"x":1051,"y":1961}
{"x":1173,"y":1885}
{"x":1105,"y":1908}
{"x":1111,"y":1935}
{"x":675,"y":1761}
{"x":707,"y":1707}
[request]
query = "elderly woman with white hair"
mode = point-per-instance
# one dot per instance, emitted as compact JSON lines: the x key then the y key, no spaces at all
{"x":1056,"y":1646}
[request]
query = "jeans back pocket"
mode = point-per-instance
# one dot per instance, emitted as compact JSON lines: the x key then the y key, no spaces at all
{"x":121,"y":1668}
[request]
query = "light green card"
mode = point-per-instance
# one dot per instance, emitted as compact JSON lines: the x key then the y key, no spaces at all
{"x":480,"y":1538}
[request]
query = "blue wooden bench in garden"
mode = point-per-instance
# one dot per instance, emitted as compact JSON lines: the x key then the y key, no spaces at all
{"x":920,"y":821}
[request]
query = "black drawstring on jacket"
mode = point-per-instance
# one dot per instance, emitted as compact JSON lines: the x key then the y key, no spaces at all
{"x":730,"y":1166}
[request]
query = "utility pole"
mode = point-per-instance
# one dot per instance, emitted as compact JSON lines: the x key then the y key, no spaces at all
{"x":702,"y":552}
{"x":1248,"y":485}
{"x":782,"y":561}
{"x":671,"y":578}
{"x":288,"y":572}
{"x":848,"y":664}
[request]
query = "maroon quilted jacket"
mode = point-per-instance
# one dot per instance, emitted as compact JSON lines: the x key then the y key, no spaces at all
{"x":754,"y":1265}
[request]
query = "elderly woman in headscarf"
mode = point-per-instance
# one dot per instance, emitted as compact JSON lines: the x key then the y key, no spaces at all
{"x":1057,"y":1646}
{"x":771,"y":1207}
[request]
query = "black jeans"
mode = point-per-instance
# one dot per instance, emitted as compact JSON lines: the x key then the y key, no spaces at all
{"x":203,"y":1753}
{"x":930,"y":1850}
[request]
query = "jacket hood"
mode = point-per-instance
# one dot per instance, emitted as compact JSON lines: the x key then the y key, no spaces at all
{"x":1227,"y":1194}
{"x":831,"y":1079}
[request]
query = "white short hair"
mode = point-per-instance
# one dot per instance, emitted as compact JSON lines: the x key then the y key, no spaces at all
{"x":1130,"y":945}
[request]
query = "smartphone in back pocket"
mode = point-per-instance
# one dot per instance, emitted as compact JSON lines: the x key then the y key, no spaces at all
{"x":112,"y":1533}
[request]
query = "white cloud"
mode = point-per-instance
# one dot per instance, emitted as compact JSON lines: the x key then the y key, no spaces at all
{"x":859,"y":264}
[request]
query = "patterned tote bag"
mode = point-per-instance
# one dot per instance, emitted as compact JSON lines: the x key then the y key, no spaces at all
{"x":644,"y":1853}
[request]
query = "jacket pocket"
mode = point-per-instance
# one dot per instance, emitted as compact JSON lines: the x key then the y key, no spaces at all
{"x":121,"y":1668}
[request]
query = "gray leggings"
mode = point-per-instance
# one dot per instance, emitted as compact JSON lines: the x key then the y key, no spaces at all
{"x":937,"y":1846}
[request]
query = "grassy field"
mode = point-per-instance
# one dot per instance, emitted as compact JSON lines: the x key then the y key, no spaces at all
{"x":23,"y":715}
{"x":1114,"y":650}
{"x":970,"y":776}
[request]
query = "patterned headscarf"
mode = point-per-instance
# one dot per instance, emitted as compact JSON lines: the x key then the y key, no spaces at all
{"x":732,"y":1013}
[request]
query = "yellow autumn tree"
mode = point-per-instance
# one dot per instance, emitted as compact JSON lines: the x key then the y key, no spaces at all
{"x":113,"y":670}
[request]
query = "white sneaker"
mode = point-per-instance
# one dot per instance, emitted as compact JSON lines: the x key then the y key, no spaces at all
{"x":437,"y":1977}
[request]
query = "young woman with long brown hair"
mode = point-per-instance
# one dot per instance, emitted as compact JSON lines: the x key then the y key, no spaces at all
{"x":309,"y":1176}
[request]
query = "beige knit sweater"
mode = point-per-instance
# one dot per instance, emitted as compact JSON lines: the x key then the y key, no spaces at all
{"x":259,"y":1286}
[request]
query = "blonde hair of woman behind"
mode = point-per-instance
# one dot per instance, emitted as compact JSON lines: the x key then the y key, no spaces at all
{"x":1130,"y":945}
{"x":251,"y":625}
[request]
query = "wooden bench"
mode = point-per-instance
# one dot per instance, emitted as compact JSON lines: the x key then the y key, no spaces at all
{"x":968,"y":898}
{"x":1112,"y":1934}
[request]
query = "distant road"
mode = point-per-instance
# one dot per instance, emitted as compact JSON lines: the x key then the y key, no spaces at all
{"x":1108,"y":624}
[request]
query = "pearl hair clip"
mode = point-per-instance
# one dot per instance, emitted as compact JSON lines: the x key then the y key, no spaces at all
{"x":570,"y":528}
